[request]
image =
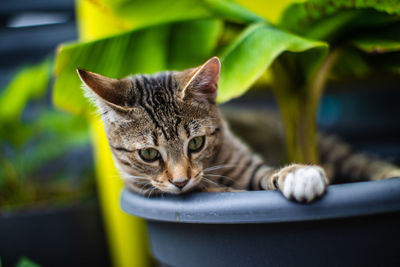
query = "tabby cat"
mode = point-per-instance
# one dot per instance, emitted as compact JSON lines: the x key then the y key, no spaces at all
{"x":166,"y":134}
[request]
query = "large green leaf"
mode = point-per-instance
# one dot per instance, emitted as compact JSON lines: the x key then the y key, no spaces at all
{"x":117,"y":56}
{"x":148,"y":13}
{"x":253,"y":52}
{"x":192,"y":42}
{"x":271,"y":10}
{"x":232,"y":11}
{"x":158,"y":48}
{"x":140,"y":14}
{"x":334,"y":20}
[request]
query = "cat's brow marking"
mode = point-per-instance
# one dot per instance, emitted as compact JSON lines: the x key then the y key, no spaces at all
{"x":155,"y":138}
{"x":122,"y":149}
{"x":187,"y":130}
{"x":215,"y":131}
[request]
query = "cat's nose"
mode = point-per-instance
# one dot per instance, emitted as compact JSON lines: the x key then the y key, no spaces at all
{"x":180,"y":183}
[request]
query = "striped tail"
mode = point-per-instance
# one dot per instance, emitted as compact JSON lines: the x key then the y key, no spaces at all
{"x":345,"y":165}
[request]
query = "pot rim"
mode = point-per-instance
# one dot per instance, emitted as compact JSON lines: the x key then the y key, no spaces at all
{"x":340,"y":201}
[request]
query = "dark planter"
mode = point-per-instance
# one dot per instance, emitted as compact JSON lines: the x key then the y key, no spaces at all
{"x":352,"y":225}
{"x":68,"y":236}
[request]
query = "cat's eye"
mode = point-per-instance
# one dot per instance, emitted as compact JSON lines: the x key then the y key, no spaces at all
{"x":149,"y":154}
{"x":196,"y":144}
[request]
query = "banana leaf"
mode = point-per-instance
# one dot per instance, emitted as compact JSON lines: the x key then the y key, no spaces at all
{"x":249,"y":56}
{"x":336,"y":20}
{"x":136,"y":14}
{"x":146,"y":50}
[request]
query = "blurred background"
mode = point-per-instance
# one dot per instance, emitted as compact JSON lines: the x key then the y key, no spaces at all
{"x":59,"y":191}
{"x":49,"y":211}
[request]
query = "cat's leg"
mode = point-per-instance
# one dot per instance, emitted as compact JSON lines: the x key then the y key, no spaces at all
{"x":239,"y":168}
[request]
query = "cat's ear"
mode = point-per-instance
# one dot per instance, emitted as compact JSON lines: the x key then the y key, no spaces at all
{"x":113,"y":92}
{"x":202,"y":82}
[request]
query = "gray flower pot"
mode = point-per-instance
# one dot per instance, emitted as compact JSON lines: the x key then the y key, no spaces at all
{"x":354,"y":224}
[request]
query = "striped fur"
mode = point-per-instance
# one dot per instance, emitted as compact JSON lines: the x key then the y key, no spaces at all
{"x":165,"y":111}
{"x":343,"y":164}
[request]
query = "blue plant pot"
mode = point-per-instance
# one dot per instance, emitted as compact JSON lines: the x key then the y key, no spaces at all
{"x":354,"y":224}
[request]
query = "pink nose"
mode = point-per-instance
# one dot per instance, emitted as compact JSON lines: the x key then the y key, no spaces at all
{"x":180,"y":183}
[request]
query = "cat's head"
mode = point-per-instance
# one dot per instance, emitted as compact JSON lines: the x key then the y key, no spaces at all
{"x":163,"y":129}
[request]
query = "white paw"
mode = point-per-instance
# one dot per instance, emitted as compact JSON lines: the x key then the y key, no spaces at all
{"x":304,"y":184}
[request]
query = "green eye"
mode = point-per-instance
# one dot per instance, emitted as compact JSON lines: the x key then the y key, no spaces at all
{"x":149,"y":154}
{"x":196,"y":144}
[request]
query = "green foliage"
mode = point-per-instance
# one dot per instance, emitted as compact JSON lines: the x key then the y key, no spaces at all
{"x":25,"y":262}
{"x":33,"y":137}
{"x":29,"y":82}
{"x":248,"y":57}
{"x":140,"y":14}
{"x":140,"y":51}
{"x":360,"y":36}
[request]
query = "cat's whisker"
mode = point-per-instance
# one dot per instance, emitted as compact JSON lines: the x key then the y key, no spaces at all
{"x":217,"y":175}
{"x":217,"y":167}
{"x":210,"y":181}
{"x":205,"y":119}
{"x":151,"y":192}
{"x":144,"y":185}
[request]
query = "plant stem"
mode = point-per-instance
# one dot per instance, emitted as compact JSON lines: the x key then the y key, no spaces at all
{"x":298,"y":100}
{"x":307,"y":115}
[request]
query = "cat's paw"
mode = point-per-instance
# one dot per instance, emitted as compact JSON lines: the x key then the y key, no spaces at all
{"x":302,"y":183}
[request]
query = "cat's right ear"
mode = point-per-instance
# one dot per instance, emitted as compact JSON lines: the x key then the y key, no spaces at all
{"x":113,"y":92}
{"x":201,"y":83}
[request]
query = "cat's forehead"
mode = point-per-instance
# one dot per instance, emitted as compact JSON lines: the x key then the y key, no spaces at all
{"x":163,"y":83}
{"x":160,"y":105}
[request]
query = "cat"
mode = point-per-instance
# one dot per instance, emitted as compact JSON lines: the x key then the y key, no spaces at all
{"x":167,"y":135}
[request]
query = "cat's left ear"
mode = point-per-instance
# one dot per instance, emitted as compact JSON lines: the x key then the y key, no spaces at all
{"x":201,"y":83}
{"x":113,"y":92}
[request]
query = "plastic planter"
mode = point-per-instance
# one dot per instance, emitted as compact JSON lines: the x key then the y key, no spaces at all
{"x":352,"y":225}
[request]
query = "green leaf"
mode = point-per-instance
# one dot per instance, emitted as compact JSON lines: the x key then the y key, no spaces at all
{"x":117,"y":56}
{"x":232,"y":11}
{"x":313,"y":10}
{"x":25,"y":262}
{"x":29,"y":82}
{"x":140,"y":14}
{"x":377,"y":45}
{"x":171,"y":46}
{"x":192,"y":42}
{"x":253,"y":52}
{"x":379,"y":41}
{"x":331,"y":20}
{"x":270,"y":10}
